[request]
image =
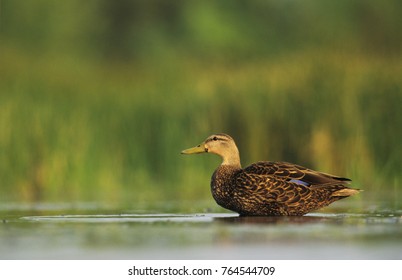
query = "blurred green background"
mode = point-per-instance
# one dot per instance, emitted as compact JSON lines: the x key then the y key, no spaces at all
{"x":98,"y":97}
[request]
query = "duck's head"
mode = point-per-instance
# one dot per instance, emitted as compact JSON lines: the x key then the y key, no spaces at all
{"x":220,"y":144}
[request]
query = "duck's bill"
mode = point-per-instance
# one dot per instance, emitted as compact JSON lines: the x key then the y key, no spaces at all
{"x":196,"y":150}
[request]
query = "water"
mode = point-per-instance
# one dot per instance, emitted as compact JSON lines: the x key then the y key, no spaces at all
{"x":93,"y":231}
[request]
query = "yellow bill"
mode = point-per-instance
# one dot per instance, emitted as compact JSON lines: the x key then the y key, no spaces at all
{"x":196,"y":150}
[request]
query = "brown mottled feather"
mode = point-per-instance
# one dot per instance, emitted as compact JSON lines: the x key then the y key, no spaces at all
{"x":273,"y":194}
{"x":292,"y":171}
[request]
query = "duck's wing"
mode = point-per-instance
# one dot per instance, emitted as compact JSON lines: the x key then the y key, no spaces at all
{"x":274,"y":195}
{"x":270,"y":186}
{"x":294,"y":173}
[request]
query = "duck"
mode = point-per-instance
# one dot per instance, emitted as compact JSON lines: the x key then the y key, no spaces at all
{"x":267,"y":188}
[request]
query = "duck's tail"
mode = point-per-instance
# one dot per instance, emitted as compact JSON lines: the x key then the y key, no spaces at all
{"x":346,"y":192}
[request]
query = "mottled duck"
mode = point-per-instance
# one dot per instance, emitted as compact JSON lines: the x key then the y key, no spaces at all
{"x":268,"y":188}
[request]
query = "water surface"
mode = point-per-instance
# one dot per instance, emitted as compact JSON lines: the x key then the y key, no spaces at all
{"x":93,"y":231}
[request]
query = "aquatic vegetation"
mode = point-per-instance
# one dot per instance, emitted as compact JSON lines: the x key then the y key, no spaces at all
{"x":91,"y":120}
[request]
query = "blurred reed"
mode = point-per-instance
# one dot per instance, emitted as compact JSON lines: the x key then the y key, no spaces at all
{"x":75,"y":125}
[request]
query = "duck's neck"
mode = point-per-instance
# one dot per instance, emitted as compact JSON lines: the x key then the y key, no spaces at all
{"x":232,"y":159}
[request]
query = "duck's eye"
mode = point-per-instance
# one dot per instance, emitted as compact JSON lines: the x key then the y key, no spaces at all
{"x":215,"y":138}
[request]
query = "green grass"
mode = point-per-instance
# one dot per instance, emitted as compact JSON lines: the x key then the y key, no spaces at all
{"x":83,"y":119}
{"x":68,"y":135}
